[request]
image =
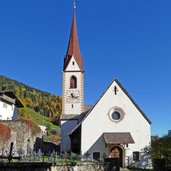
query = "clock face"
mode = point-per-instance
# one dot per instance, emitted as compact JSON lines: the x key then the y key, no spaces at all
{"x":73,"y":96}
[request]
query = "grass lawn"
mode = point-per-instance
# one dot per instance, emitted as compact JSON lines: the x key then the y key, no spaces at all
{"x":38,"y":119}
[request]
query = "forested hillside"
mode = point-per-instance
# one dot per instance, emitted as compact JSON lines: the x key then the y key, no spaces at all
{"x":46,"y":104}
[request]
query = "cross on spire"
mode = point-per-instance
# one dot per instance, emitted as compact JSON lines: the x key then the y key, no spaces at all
{"x":73,"y":45}
{"x":74,"y":4}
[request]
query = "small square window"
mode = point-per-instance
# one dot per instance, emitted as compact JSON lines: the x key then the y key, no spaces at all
{"x":136,"y":156}
{"x":96,"y":156}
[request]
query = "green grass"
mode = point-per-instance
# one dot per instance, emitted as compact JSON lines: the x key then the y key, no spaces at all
{"x":38,"y":119}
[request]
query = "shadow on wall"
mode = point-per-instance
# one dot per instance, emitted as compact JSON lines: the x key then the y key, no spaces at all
{"x":45,"y":147}
{"x":98,"y":147}
{"x":145,"y":162}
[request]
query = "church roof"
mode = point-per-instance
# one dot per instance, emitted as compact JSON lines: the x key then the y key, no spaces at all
{"x":69,"y":117}
{"x":73,"y":46}
{"x":118,"y":138}
{"x":131,"y":99}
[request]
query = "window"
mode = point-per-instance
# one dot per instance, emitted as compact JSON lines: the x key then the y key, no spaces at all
{"x":136,"y":156}
{"x":96,"y":156}
{"x":73,"y":82}
{"x":116,"y":114}
{"x":73,"y":63}
{"x":4,"y":105}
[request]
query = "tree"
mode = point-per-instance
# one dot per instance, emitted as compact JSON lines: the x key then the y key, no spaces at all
{"x":161,"y":152}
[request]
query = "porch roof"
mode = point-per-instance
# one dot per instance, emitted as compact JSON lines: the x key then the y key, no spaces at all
{"x":118,"y":138}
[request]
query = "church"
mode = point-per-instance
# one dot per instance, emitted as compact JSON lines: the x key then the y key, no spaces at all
{"x":115,"y":121}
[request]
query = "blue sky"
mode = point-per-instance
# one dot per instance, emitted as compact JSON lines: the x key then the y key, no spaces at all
{"x":125,"y":39}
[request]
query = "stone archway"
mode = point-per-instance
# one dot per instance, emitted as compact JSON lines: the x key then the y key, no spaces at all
{"x":121,"y":154}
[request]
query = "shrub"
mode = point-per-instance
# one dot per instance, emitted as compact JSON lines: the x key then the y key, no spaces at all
{"x":159,"y":164}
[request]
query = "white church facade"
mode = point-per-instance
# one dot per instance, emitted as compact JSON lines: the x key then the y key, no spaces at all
{"x":115,"y":121}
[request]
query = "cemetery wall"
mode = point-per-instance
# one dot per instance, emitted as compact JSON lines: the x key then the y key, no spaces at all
{"x":21,"y":134}
{"x":86,"y":166}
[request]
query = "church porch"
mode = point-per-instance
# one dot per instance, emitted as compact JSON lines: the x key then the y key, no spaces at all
{"x":119,"y":141}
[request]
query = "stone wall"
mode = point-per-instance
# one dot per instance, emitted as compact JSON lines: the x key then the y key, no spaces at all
{"x":86,"y":166}
{"x":82,"y":167}
{"x":21,"y":135}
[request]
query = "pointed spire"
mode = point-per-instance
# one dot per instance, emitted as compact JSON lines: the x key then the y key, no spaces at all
{"x":73,"y":45}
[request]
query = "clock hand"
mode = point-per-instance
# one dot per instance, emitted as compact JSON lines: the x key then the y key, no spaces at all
{"x":72,"y":95}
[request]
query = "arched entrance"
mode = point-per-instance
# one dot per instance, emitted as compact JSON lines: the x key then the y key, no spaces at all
{"x":121,"y":154}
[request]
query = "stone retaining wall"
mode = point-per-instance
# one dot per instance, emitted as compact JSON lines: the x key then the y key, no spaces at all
{"x":51,"y":167}
{"x":20,"y":135}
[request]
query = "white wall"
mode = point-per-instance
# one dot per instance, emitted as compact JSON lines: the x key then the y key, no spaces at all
{"x":7,"y":111}
{"x":43,"y":128}
{"x":98,"y":122}
{"x":78,"y":106}
{"x":72,"y":67}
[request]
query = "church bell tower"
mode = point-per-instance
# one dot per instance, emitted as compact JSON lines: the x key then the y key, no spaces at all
{"x":72,"y":87}
{"x":73,"y":75}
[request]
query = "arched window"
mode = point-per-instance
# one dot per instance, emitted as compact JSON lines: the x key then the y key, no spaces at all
{"x":73,"y":82}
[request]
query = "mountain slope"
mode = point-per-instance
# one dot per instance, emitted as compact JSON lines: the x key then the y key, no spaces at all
{"x":44,"y":103}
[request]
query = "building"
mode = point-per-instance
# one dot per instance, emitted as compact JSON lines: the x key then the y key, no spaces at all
{"x":115,"y":121}
{"x":9,"y":105}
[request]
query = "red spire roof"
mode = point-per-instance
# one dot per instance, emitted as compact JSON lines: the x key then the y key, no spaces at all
{"x":73,"y":46}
